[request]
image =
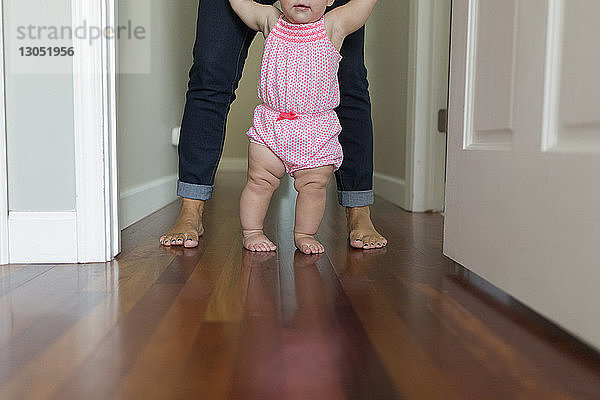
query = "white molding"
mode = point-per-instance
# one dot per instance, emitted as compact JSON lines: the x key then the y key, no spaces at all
{"x":424,"y":170}
{"x":4,"y":244}
{"x":94,"y":77}
{"x":554,"y":35}
{"x":43,"y":237}
{"x":468,"y":137}
{"x":112,"y":228}
{"x":231,"y":164}
{"x":390,"y":188}
{"x":142,"y":200}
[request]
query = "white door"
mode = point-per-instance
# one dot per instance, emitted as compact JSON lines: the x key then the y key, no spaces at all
{"x":523,"y":178}
{"x":3,"y":154}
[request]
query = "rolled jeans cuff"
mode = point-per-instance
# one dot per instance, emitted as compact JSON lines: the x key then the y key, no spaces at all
{"x":356,"y":198}
{"x":193,"y":191}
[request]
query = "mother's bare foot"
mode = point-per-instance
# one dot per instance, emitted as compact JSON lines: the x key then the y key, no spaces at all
{"x":255,"y":240}
{"x":361,"y":230}
{"x":307,"y":244}
{"x":188,"y":227}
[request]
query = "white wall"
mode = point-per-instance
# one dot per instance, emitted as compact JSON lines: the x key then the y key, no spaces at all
{"x":39,"y":119}
{"x":150,"y":105}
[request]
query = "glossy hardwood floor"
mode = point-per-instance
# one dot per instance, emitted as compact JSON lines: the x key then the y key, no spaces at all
{"x":218,"y":322}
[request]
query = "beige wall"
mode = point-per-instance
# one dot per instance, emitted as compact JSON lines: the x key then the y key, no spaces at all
{"x":240,"y":116}
{"x":387,"y":63}
{"x":151,"y":105}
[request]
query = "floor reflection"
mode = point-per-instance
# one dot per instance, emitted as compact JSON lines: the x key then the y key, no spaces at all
{"x":280,"y":356}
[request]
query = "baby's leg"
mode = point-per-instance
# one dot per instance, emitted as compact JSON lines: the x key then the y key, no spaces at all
{"x":265,"y":170}
{"x":311,"y":185}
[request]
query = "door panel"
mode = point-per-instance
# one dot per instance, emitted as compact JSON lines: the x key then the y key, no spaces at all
{"x":578,"y":95}
{"x":523,"y":205}
{"x":492,"y":63}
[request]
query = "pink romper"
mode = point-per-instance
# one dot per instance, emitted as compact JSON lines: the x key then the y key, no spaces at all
{"x":299,"y":88}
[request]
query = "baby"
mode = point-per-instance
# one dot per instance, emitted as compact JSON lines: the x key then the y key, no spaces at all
{"x":296,"y":129}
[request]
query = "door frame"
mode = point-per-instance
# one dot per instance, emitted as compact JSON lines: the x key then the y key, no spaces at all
{"x":95,"y":129}
{"x":425,"y":147}
{"x":95,"y":123}
{"x":4,"y":246}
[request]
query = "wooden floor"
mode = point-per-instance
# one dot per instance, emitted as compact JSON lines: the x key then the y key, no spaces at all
{"x":218,"y":322}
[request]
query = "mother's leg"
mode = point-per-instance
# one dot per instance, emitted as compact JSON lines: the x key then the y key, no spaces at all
{"x":220,"y":50}
{"x":355,"y":177}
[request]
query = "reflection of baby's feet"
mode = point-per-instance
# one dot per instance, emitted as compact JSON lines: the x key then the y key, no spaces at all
{"x":256,"y":259}
{"x":308,"y":244}
{"x":302,"y":260}
{"x":255,"y":240}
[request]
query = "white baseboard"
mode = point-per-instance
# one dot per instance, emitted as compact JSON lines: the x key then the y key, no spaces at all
{"x":390,"y":188}
{"x":142,"y":200}
{"x":42,"y":237}
{"x":231,"y":164}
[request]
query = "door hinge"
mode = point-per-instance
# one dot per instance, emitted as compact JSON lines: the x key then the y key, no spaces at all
{"x":443,"y":120}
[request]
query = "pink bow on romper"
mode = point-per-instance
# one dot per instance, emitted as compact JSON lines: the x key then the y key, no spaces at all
{"x":284,"y":115}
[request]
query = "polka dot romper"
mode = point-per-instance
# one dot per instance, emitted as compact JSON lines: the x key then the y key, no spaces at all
{"x":299,"y":88}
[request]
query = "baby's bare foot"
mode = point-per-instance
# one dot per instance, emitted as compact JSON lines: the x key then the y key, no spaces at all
{"x":361,"y":230}
{"x":255,"y":240}
{"x":307,"y":244}
{"x":188,"y":227}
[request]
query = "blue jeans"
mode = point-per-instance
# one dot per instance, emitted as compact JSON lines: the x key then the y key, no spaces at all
{"x":220,"y":51}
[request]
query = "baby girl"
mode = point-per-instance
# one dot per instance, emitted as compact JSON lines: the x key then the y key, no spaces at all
{"x":296,"y":129}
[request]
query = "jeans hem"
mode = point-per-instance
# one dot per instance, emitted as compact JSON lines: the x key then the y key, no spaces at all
{"x":194,"y":191}
{"x":356,"y":198}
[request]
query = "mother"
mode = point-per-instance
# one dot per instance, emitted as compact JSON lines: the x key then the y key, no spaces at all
{"x":220,"y":50}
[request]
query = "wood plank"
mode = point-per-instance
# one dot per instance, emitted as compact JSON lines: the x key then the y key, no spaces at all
{"x":13,"y":276}
{"x":220,"y":322}
{"x":163,"y":361}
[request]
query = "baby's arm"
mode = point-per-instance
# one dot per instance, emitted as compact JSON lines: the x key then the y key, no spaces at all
{"x":258,"y":17}
{"x":349,"y":18}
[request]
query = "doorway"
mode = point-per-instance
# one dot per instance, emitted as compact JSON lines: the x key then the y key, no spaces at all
{"x":55,"y":137}
{"x":409,"y":89}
